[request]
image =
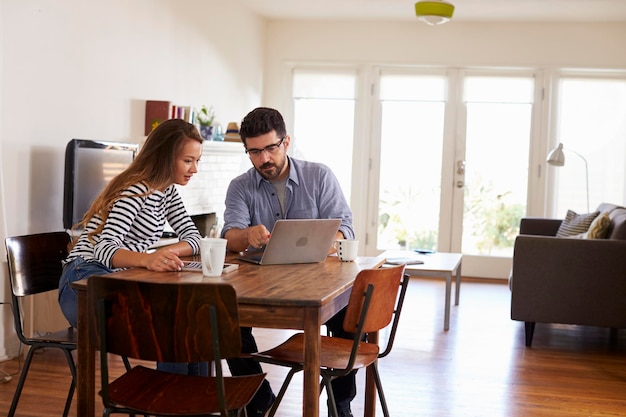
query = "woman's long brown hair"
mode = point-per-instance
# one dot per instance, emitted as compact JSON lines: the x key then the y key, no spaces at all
{"x":153,"y":166}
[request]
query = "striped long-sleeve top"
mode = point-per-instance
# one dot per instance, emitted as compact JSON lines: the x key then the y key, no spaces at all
{"x":136,"y":222}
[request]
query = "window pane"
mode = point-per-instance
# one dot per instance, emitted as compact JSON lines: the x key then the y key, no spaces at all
{"x":496,"y":174}
{"x":409,"y":87}
{"x":323,"y":132}
{"x":591,"y":123}
{"x":324,"y":105}
{"x":320,"y":84}
{"x":410,"y":161}
{"x":499,"y":90}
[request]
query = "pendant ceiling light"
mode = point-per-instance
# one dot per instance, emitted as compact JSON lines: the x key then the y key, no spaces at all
{"x":434,"y":12}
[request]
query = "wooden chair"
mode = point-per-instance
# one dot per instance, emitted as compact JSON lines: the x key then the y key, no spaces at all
{"x":35,"y":267}
{"x":168,"y":322}
{"x":377,"y":297}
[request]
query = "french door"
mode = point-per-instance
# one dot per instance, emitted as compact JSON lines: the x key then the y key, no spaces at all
{"x":452,"y":173}
{"x":441,"y":164}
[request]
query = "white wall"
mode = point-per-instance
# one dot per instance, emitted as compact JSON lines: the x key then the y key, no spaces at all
{"x":538,"y":45}
{"x":83,"y":69}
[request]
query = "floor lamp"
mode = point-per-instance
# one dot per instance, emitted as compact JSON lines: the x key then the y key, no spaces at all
{"x":556,"y":157}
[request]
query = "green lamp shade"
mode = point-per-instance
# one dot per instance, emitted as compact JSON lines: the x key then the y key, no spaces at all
{"x":434,"y":12}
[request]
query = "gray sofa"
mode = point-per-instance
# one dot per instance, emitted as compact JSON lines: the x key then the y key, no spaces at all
{"x":569,"y":280}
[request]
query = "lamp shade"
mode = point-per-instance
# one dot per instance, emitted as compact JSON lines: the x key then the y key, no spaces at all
{"x":556,"y":156}
{"x":434,"y":12}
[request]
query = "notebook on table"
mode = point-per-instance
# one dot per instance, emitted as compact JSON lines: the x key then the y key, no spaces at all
{"x":296,"y":241}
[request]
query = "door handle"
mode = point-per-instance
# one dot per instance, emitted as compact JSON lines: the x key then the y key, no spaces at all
{"x":460,"y":171}
{"x":460,"y":167}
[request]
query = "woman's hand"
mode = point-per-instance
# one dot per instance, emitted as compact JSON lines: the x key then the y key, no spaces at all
{"x":164,"y":260}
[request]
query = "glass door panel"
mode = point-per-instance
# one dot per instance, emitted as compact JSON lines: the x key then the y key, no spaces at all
{"x":591,"y":124}
{"x":496,"y":178}
{"x":323,"y":132}
{"x":412,"y":118}
{"x":410,"y":175}
{"x":497,"y":142}
{"x":324,"y":107}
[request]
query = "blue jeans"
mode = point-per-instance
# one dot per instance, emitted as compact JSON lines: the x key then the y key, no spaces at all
{"x":195,"y":368}
{"x":68,"y":300}
{"x":75,"y":271}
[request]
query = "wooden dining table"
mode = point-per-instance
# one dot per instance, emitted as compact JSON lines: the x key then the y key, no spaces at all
{"x":301,"y":297}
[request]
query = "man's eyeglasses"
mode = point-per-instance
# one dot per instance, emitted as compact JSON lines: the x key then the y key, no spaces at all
{"x":269,"y":149}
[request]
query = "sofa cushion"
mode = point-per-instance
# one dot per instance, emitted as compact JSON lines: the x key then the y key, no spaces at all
{"x":599,"y":228}
{"x":575,"y":224}
{"x":617,"y":230}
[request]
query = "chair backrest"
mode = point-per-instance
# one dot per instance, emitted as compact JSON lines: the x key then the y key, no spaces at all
{"x":35,"y":261}
{"x":164,"y":322}
{"x":34,"y":267}
{"x":382,"y":304}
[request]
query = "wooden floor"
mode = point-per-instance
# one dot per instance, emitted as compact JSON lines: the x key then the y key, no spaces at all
{"x":480,"y":367}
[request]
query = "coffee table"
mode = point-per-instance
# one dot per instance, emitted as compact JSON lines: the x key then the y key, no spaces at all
{"x":438,"y":264}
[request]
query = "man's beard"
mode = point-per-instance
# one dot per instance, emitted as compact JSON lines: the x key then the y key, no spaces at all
{"x":274,"y":173}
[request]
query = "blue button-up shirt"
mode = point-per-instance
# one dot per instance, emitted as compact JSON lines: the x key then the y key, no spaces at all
{"x":312,"y":192}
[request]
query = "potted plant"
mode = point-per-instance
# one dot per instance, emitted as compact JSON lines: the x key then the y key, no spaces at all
{"x":205,"y":118}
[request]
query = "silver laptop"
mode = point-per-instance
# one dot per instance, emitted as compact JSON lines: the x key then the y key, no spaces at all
{"x":296,"y":241}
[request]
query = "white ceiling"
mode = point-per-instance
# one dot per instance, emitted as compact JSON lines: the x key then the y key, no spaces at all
{"x":465,"y":10}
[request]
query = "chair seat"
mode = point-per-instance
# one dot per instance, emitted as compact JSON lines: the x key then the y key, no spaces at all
{"x":375,"y":302}
{"x":168,"y":393}
{"x":63,"y":338}
{"x":334,"y":354}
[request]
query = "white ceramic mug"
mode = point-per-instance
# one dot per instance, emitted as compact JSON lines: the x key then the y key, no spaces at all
{"x":347,"y":249}
{"x":212,"y":254}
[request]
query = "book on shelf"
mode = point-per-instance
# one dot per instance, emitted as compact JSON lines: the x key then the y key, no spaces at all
{"x":183,"y":112}
{"x":156,"y":112}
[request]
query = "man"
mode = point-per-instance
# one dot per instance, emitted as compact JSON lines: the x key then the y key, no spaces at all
{"x":280,"y":187}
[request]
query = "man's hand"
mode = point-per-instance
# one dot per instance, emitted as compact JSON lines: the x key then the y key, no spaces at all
{"x":258,"y":236}
{"x":254,"y":236}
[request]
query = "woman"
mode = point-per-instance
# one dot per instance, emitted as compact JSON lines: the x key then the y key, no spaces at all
{"x":129,"y":216}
